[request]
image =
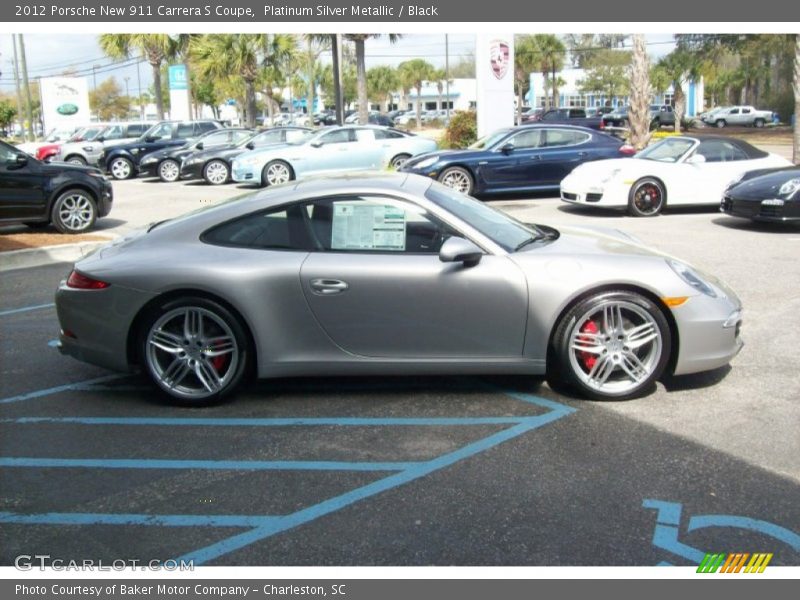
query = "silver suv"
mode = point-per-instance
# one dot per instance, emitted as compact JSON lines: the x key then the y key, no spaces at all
{"x":89,"y":151}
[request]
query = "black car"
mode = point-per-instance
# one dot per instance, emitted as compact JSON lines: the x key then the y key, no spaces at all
{"x":35,"y":193}
{"x":525,"y":158}
{"x":122,"y":161}
{"x":214,"y":164}
{"x":166,"y":163}
{"x":765,"y":195}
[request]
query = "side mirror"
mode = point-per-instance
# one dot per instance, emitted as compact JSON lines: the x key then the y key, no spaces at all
{"x":696,"y":159}
{"x":250,"y":146}
{"x":458,"y":249}
{"x":317,"y":144}
{"x":19,"y":161}
{"x":199,"y":146}
{"x":152,"y":138}
{"x":507,"y":148}
{"x":100,"y":139}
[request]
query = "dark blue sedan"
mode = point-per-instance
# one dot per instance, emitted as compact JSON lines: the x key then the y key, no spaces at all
{"x":518,"y":159}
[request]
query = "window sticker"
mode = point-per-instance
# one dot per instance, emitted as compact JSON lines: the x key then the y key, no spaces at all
{"x":362,"y":226}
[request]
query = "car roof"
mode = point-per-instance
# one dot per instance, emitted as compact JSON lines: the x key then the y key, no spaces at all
{"x":746,"y":147}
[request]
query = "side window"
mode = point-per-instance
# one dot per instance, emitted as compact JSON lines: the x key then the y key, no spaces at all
{"x":114,"y":133}
{"x":215,"y":139}
{"x":734,"y":111}
{"x":340,"y":136}
{"x":278,"y":229}
{"x":238,"y":136}
{"x":185,"y":130}
{"x":376,"y":224}
{"x":295,"y":135}
{"x":720,"y":151}
{"x":272,"y":136}
{"x":206,"y":126}
{"x":745,"y":111}
{"x":135,"y":130}
{"x":7,"y":153}
{"x":527,"y":139}
{"x":562,"y":137}
{"x":162,"y":131}
{"x":577,"y":113}
{"x":386,"y":134}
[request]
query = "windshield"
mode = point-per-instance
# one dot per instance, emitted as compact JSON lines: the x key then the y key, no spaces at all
{"x":160,"y":130}
{"x":490,"y":140}
{"x":668,"y":150}
{"x":502,"y":229}
{"x":90,"y":133}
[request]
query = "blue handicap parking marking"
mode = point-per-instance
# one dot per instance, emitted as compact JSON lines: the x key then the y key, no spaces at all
{"x":260,"y":527}
{"x":667,"y":533}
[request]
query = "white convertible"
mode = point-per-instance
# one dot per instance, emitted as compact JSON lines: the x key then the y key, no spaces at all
{"x":678,"y":170}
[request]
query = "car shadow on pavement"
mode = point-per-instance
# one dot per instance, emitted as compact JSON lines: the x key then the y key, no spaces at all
{"x":695,"y":381}
{"x":757,"y":226}
{"x":107,"y":223}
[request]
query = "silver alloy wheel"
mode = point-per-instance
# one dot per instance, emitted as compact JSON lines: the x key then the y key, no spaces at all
{"x":399,"y":160}
{"x":458,"y":180}
{"x":76,"y":160}
{"x":192,"y":352}
{"x":169,"y":170}
{"x":277,"y":173}
{"x":614,"y":347}
{"x":217,"y":172}
{"x":76,"y":211}
{"x":121,"y":168}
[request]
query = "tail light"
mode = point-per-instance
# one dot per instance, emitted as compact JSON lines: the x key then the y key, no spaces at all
{"x":627,"y":150}
{"x":79,"y":281}
{"x":602,"y":124}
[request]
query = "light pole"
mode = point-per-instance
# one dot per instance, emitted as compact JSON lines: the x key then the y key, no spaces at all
{"x":94,"y":76}
{"x":127,"y":97}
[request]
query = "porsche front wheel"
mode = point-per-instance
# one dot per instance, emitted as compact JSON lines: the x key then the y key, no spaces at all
{"x":647,"y":198}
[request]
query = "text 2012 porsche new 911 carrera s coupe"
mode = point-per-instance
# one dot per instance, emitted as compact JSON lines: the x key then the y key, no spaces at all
{"x":389,"y":274}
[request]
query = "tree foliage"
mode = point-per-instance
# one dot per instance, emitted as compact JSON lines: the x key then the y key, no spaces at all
{"x":108,"y":102}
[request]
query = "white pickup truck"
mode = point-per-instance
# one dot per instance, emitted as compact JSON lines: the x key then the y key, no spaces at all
{"x":738,"y":115}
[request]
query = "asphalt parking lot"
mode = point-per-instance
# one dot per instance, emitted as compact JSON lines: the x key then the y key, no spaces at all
{"x":394,"y":471}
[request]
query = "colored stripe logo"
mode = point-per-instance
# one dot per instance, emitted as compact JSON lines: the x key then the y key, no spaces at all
{"x":735,"y":562}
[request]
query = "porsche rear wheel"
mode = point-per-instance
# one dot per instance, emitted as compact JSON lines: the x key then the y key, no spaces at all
{"x":194,"y":350}
{"x":612,"y":346}
{"x":647,"y":198}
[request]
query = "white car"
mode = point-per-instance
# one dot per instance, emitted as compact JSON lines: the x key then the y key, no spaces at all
{"x":678,"y":170}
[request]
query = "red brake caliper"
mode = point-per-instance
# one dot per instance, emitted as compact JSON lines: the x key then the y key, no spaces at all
{"x":219,"y":361}
{"x":587,"y":358}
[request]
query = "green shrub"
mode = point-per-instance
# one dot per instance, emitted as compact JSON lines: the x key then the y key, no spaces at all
{"x":462,"y":131}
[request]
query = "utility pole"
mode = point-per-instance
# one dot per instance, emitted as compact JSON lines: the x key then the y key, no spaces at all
{"x":447,"y":74}
{"x":16,"y":86}
{"x":127,"y":97}
{"x":94,"y":76}
{"x":336,"y":51}
{"x":25,"y":84}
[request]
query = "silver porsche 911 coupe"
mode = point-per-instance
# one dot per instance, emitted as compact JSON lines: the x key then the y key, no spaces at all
{"x":388,"y":274}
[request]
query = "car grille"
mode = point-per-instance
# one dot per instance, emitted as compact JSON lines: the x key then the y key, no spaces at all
{"x":593,"y":197}
{"x":770,"y":211}
{"x":727,"y":203}
{"x":568,"y":196}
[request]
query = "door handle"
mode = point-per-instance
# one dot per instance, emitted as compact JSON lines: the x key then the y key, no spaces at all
{"x":536,"y":157}
{"x":582,"y":154}
{"x":326,"y":287}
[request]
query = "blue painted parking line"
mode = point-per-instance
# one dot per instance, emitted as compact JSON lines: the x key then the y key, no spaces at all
{"x":261,"y":527}
{"x":231,"y":465}
{"x":80,"y":385}
{"x":15,"y":311}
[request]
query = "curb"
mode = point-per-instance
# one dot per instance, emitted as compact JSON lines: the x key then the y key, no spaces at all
{"x":46,"y":255}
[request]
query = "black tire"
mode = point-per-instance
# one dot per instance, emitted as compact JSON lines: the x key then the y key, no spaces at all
{"x":655,"y":125}
{"x":74,"y":211}
{"x":76,"y":160}
{"x":574,"y":368}
{"x":272,"y":168}
{"x":169,"y":170}
{"x":192,"y":359}
{"x":458,"y":178}
{"x":759,"y":123}
{"x":215,"y":167}
{"x":398,"y":161}
{"x":647,"y":198}
{"x":720,"y":123}
{"x":121,"y":168}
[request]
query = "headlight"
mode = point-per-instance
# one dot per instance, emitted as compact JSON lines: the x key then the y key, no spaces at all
{"x":789,"y":188}
{"x":610,"y":176}
{"x":427,"y":162}
{"x":692,"y":277}
{"x":97,"y":174}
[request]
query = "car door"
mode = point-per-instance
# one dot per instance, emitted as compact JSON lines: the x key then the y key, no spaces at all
{"x":704,"y":182}
{"x":514,"y":162}
{"x":22,"y":186}
{"x":734,"y":116}
{"x":378,"y":288}
{"x":562,"y":150}
{"x":330,"y":152}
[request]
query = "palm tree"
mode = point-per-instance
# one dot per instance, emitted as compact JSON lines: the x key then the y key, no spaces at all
{"x":675,"y":68}
{"x":359,"y":40}
{"x":415,"y":72}
{"x":440,"y":77}
{"x":796,"y":89}
{"x":155,"y":47}
{"x":381,"y":82}
{"x":552,"y":52}
{"x":280,"y":52}
{"x":639,"y":113}
{"x":527,"y":59}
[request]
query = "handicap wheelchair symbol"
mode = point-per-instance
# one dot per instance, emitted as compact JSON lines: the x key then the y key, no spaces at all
{"x":667,"y":530}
